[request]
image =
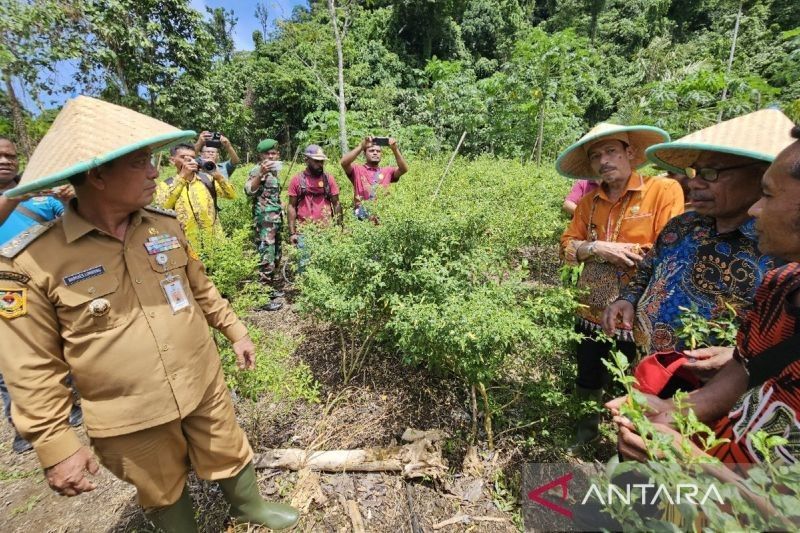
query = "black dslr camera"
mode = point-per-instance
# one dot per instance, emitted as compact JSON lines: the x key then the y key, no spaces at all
{"x":215,"y":140}
{"x":206,"y":166}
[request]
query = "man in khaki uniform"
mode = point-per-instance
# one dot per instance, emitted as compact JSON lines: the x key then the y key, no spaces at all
{"x":114,"y":294}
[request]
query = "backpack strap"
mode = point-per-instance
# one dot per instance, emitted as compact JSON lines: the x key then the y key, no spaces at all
{"x":211,"y":186}
{"x":327,"y":186}
{"x":304,"y":186}
{"x":772,"y":361}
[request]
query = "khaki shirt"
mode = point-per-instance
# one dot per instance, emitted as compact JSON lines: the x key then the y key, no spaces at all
{"x":138,"y":364}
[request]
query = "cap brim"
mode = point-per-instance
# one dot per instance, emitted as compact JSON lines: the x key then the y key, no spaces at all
{"x":573,"y":163}
{"x":158,"y":142}
{"x":676,"y":156}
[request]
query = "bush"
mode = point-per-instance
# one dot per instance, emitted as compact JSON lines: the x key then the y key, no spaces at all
{"x":440,"y":281}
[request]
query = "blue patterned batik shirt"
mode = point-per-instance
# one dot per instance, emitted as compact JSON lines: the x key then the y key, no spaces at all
{"x":692,"y":265}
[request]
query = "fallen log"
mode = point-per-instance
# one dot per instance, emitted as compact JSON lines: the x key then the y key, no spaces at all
{"x":420,"y":458}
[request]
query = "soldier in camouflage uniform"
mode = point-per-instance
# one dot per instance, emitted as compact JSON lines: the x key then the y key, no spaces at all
{"x":264,"y":187}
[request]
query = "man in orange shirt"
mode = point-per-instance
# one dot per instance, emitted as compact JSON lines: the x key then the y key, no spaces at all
{"x":611,"y":230}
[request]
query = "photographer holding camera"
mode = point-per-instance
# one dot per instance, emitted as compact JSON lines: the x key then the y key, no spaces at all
{"x":193,"y":194}
{"x":265,"y":189}
{"x":208,"y":145}
{"x":368,"y":177}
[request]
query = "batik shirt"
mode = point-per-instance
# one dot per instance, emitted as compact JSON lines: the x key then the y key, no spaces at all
{"x":691,"y":265}
{"x":774,"y":405}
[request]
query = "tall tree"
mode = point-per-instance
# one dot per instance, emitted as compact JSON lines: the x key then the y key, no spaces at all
{"x":339,"y":35}
{"x":221,"y":26}
{"x":139,"y":47}
{"x":262,"y":15}
{"x":34,"y":36}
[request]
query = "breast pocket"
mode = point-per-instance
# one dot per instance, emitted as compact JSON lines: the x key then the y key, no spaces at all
{"x":170,"y":260}
{"x":91,"y":305}
{"x":638,"y":228}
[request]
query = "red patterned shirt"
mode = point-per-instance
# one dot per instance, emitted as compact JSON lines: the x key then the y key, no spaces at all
{"x":774,"y":405}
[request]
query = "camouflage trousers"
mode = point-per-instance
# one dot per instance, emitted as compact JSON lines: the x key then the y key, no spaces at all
{"x":268,"y":243}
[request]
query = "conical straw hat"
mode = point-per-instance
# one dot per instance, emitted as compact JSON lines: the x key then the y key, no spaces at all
{"x":87,"y":133}
{"x":758,"y":135}
{"x":574,"y":161}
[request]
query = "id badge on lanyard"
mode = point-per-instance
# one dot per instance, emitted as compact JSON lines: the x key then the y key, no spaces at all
{"x":176,"y":295}
{"x":172,"y":285}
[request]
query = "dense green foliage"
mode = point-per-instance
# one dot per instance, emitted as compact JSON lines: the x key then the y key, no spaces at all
{"x":522,"y":77}
{"x":231,"y":263}
{"x":440,"y":281}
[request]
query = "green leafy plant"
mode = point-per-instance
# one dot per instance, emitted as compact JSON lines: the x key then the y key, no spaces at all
{"x":699,"y":332}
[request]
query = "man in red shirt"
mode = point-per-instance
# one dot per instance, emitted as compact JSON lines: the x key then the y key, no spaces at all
{"x":313,"y":194}
{"x":757,"y":389}
{"x":368,"y":177}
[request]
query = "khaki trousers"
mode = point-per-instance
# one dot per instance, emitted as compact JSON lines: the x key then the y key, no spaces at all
{"x":156,"y":460}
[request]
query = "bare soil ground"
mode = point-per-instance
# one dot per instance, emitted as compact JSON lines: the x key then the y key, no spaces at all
{"x":374,"y":410}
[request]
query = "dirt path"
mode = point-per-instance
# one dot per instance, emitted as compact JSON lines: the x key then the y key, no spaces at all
{"x":373,"y":411}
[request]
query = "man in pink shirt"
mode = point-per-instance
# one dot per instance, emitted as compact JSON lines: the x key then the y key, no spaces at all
{"x":313,"y":194}
{"x":578,"y":191}
{"x":368,"y":177}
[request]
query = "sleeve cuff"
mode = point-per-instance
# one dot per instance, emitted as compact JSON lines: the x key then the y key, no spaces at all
{"x":57,"y":449}
{"x":633,"y":299}
{"x":235,"y":332}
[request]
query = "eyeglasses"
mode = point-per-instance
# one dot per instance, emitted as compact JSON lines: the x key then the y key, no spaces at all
{"x":712,"y":174}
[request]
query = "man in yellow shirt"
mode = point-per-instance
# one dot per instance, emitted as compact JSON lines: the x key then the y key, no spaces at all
{"x":193,"y":194}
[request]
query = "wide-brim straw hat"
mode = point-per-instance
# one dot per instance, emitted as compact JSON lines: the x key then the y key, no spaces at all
{"x":574,"y":161}
{"x":86,"y":134}
{"x":760,"y":135}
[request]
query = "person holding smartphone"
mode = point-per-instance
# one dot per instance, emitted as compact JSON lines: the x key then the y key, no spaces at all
{"x":367,"y":177}
{"x":265,"y":189}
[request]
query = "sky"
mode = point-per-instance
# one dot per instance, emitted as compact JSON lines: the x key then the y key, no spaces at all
{"x":244,"y":10}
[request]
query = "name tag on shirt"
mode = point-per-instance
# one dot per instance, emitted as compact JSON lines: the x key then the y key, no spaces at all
{"x":175,"y":293}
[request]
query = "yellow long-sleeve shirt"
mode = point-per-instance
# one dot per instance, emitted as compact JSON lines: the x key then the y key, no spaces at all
{"x":194,"y":205}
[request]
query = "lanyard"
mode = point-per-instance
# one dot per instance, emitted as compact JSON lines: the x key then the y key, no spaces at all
{"x":618,"y":225}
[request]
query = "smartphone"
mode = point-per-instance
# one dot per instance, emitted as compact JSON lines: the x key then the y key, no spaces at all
{"x":380,"y":141}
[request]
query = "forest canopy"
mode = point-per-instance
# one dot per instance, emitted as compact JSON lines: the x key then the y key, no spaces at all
{"x":522,"y":78}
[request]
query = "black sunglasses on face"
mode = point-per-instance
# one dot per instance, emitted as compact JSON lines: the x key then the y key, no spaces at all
{"x":712,"y":174}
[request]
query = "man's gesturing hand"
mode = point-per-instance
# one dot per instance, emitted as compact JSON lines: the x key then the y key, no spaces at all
{"x":617,"y":253}
{"x":68,"y":477}
{"x":245,"y":352}
{"x":707,"y":361}
{"x":622,"y":309}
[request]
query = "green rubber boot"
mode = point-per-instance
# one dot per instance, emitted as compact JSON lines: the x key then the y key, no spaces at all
{"x":586,"y":429}
{"x":241,"y":491}
{"x":175,"y":518}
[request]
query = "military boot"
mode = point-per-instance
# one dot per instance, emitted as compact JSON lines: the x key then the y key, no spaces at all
{"x":241,"y":491}
{"x":175,"y":518}
{"x":587,"y":427}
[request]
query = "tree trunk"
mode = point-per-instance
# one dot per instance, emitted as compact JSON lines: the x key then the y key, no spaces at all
{"x":540,"y":135}
{"x":730,"y":57}
{"x":23,"y":137}
{"x":340,"y":67}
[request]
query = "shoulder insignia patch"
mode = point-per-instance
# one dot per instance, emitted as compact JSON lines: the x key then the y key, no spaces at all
{"x":13,"y":247}
{"x":13,"y":303}
{"x":161,"y":211}
{"x":14,"y":276}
